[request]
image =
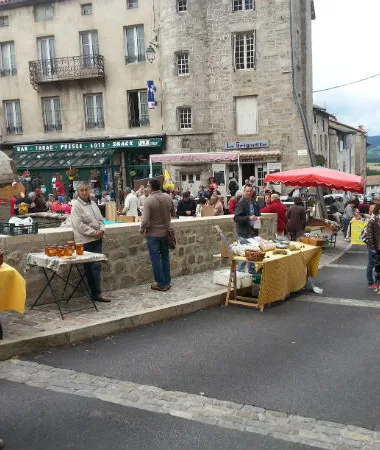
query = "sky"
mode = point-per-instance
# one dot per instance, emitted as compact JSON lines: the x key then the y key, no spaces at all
{"x":346,"y":34}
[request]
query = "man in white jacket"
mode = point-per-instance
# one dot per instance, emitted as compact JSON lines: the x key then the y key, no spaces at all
{"x":131,"y":203}
{"x":88,"y":227}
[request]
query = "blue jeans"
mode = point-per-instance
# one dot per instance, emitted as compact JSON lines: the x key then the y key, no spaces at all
{"x":370,"y":266}
{"x":159,"y":256}
{"x":93,"y":269}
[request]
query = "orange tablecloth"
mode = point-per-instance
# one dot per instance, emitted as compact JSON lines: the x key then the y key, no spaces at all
{"x":12,"y":289}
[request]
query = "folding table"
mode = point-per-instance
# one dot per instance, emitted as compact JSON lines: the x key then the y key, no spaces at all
{"x":51,"y":265}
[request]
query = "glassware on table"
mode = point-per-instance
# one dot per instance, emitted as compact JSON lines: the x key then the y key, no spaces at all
{"x":51,"y":250}
{"x":71,"y":244}
{"x":60,"y":251}
{"x":79,"y":248}
{"x":68,"y":251}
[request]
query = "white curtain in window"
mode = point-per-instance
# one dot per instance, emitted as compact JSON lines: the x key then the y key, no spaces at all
{"x":135,"y":44}
{"x":140,"y":43}
{"x":7,"y":58}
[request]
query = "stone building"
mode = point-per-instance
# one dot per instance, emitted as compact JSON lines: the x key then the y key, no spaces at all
{"x":339,"y":146}
{"x":231,"y":76}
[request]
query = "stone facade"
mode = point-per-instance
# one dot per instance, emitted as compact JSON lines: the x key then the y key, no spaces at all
{"x":125,"y":247}
{"x":214,"y":84}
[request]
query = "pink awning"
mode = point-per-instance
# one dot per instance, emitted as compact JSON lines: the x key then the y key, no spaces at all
{"x":194,"y":157}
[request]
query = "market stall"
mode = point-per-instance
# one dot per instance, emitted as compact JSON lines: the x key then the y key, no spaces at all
{"x":295,"y":265}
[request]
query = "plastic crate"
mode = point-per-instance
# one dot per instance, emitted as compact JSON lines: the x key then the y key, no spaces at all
{"x":10,"y":229}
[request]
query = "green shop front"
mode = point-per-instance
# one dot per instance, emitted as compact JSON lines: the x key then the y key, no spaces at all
{"x":106,"y":165}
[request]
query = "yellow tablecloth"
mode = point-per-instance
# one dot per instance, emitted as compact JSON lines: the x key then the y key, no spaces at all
{"x":283,"y":274}
{"x":12,"y":289}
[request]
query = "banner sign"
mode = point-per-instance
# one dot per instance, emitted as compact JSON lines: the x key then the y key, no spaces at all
{"x":128,"y":143}
{"x":246,"y":144}
{"x":151,"y":90}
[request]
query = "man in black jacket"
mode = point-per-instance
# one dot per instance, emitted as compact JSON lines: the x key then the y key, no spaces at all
{"x":186,"y":206}
{"x":247,"y":212}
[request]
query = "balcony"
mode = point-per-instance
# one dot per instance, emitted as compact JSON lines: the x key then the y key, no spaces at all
{"x":64,"y":69}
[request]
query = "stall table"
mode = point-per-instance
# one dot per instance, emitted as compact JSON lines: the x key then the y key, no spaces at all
{"x":12,"y":291}
{"x":51,"y":265}
{"x":281,"y":275}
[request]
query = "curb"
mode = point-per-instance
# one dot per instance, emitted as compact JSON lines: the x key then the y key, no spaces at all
{"x":104,"y":328}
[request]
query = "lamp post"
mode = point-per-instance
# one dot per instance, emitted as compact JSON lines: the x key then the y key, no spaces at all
{"x":150,"y":54}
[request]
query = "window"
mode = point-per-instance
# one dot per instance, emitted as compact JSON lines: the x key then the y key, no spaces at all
{"x":246,"y":115}
{"x":86,"y":9}
{"x":46,"y":55}
{"x":184,"y":118}
{"x":13,"y":119}
{"x":89,"y":47}
{"x":94,"y":111}
{"x":182,"y":63}
{"x":51,"y":110}
{"x":242,"y":5}
{"x":4,"y":21}
{"x":244,"y":50}
{"x":138,"y":109}
{"x":135,"y":47}
{"x":43,"y":12}
{"x":132,"y":4}
{"x":7,"y":59}
{"x":181,"y":5}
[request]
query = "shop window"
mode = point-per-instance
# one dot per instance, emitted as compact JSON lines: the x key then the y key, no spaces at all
{"x":244,"y":45}
{"x":183,"y":177}
{"x":246,"y":115}
{"x":134,"y":44}
{"x":138,"y":108}
{"x":13,"y":118}
{"x":86,"y":9}
{"x":51,"y":108}
{"x":7,"y":59}
{"x":43,"y":13}
{"x":94,"y":111}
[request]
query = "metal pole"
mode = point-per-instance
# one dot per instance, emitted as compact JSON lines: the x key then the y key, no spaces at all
{"x":150,"y":167}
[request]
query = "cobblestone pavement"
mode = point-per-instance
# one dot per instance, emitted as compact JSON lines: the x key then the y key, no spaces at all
{"x":135,"y":303}
{"x":226,"y":414}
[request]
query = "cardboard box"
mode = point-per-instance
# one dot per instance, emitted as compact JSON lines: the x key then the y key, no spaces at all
{"x":222,"y":277}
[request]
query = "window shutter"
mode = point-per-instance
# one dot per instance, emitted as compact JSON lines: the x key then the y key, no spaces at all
{"x":144,"y":114}
{"x":246,"y":115}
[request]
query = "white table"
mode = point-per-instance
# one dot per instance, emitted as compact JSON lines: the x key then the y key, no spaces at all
{"x":51,"y":265}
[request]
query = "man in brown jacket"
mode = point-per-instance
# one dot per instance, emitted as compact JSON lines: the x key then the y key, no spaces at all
{"x":155,"y":223}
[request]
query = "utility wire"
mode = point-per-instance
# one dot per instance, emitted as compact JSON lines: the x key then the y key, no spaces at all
{"x":347,"y":84}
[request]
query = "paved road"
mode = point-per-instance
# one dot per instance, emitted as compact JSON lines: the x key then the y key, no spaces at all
{"x":302,"y":373}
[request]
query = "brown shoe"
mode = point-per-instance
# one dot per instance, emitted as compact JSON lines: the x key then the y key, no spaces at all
{"x":102,"y":299}
{"x":156,"y":287}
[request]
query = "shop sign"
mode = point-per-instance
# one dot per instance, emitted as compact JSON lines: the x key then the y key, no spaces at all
{"x":302,"y":153}
{"x":274,"y":167}
{"x":151,"y":91}
{"x":96,"y":145}
{"x":246,"y":145}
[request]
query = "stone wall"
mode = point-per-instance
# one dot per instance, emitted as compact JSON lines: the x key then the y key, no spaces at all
{"x":125,"y":247}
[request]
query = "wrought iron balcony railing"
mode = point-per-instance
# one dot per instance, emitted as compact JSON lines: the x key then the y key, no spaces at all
{"x":67,"y":68}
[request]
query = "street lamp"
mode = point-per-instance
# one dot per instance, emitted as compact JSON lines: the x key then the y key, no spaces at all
{"x":150,"y":54}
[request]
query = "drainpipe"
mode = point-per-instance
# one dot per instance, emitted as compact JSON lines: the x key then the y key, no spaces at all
{"x":300,"y":110}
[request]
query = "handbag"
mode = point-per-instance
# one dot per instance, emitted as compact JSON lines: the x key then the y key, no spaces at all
{"x":171,"y":239}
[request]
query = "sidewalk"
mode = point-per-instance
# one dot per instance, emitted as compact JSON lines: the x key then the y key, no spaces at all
{"x":42,"y":327}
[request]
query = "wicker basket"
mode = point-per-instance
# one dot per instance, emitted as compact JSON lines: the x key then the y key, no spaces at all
{"x":317,"y":241}
{"x":254,"y":255}
{"x":304,"y":239}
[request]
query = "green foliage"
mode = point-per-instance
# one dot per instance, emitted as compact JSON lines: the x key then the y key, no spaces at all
{"x":320,"y":160}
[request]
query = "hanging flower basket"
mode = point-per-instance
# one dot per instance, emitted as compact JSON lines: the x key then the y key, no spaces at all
{"x":72,"y":173}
